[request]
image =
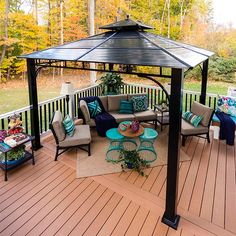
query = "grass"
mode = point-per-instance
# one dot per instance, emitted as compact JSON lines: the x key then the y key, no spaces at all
{"x":220,"y":88}
{"x":14,"y":95}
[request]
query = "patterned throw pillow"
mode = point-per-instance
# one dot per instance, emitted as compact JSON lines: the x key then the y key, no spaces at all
{"x":69,"y":126}
{"x":140,"y":103}
{"x":126,"y":107}
{"x":227,"y":105}
{"x":94,"y":108}
{"x":191,"y":118}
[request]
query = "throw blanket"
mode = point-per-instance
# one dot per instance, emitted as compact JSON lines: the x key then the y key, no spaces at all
{"x":227,"y":127}
{"x":104,"y":121}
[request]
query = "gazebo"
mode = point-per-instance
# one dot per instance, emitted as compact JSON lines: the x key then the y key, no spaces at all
{"x":126,"y":47}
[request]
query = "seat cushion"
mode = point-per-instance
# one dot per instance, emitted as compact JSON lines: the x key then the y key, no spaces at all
{"x":188,"y":129}
{"x":202,"y":110}
{"x":122,"y":117}
{"x":58,"y":126}
{"x":81,"y":136}
{"x":104,"y":102}
{"x":145,"y":115}
{"x":91,"y":123}
{"x":114,"y":101}
{"x":85,"y":110}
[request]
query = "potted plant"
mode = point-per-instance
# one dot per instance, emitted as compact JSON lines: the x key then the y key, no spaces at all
{"x":131,"y":160}
{"x":164,"y":104}
{"x":111,"y":83}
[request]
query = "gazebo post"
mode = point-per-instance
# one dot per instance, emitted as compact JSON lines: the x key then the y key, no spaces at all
{"x":33,"y":99}
{"x":170,"y":216}
{"x":204,"y":82}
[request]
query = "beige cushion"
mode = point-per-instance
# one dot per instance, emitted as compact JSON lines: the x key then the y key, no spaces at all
{"x":91,"y":123}
{"x":122,"y":117}
{"x":202,"y":110}
{"x":114,"y":101}
{"x":135,"y":95}
{"x":145,"y":115}
{"x":188,"y":129}
{"x":58,"y":126}
{"x":85,"y":110}
{"x":104,"y":102}
{"x":81,"y":136}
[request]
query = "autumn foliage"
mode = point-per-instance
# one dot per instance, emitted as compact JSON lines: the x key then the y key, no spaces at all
{"x":27,"y":26}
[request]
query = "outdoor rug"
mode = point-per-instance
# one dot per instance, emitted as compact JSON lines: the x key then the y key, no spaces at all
{"x":97,"y":165}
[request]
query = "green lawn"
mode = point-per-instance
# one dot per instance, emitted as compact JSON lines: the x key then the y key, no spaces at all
{"x":213,"y":87}
{"x":16,"y":98}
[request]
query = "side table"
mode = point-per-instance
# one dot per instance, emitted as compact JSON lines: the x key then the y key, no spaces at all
{"x":163,"y":118}
{"x":9,"y":165}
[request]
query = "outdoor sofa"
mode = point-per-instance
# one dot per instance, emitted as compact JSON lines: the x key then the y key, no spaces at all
{"x":111,"y":104}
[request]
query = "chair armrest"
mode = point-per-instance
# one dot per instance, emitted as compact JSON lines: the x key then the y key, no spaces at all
{"x":78,"y":121}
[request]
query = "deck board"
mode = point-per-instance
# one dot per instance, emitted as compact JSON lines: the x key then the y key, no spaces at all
{"x":47,"y":199}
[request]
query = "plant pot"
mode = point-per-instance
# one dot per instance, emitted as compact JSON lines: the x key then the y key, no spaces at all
{"x":129,"y":165}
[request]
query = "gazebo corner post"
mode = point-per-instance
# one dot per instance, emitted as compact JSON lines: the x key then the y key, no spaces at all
{"x":170,"y":216}
{"x":33,"y":99}
{"x":204,"y":82}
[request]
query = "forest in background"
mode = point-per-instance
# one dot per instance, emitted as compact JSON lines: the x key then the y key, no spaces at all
{"x":31,"y":25}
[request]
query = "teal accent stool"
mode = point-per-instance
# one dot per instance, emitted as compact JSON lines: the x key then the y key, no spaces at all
{"x":146,"y":149}
{"x":116,"y":144}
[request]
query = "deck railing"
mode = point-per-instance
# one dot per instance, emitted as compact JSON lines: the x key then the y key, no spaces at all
{"x":47,"y":108}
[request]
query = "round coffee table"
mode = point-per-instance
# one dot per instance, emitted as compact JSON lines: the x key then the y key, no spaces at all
{"x":130,"y":134}
{"x":128,"y":142}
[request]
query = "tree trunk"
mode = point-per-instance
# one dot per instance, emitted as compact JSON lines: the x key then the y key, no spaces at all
{"x":91,"y":32}
{"x":168,"y":13}
{"x":162,"y":17}
{"x":61,"y":30}
{"x":49,"y":22}
{"x":4,"y":48}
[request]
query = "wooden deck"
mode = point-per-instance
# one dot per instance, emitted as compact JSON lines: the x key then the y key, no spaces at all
{"x":47,"y":199}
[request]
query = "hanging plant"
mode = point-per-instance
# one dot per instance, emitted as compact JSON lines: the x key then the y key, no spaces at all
{"x":111,"y":83}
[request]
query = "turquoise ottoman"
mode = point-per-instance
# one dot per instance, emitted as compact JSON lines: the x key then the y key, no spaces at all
{"x":116,"y":145}
{"x":146,"y":149}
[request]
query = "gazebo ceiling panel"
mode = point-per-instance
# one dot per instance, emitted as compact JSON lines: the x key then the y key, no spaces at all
{"x":132,"y":57}
{"x":82,"y":44}
{"x":128,"y":43}
{"x":58,"y":54}
{"x":191,"y":58}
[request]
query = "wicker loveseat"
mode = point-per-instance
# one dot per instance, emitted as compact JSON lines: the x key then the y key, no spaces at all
{"x":111,"y":104}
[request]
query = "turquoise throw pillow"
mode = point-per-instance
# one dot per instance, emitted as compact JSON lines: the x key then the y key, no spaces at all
{"x":94,"y":108}
{"x":191,"y":118}
{"x":126,"y":107}
{"x":69,"y":126}
{"x":140,"y":103}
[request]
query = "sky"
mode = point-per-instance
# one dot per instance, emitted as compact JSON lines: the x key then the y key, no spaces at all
{"x":224,"y":12}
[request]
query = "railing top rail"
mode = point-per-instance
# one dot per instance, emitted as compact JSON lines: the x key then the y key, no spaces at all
{"x":144,"y":86}
{"x":21,"y":110}
{"x":27,"y":108}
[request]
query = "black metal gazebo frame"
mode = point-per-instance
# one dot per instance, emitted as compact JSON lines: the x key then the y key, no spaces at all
{"x":39,"y":60}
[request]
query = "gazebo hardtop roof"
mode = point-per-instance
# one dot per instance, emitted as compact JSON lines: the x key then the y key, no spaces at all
{"x":127,"y":43}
